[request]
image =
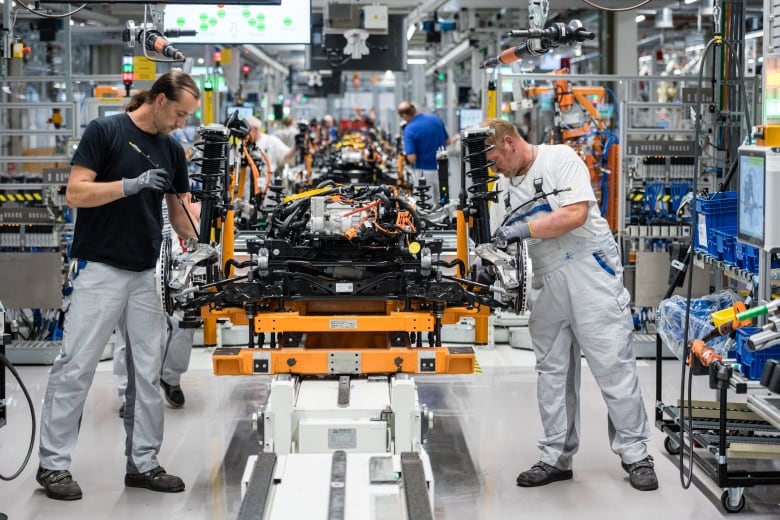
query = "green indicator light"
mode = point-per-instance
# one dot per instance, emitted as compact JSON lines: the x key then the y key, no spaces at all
{"x":204,"y":27}
{"x":203,"y":17}
{"x":287,"y":21}
{"x":252,"y":22}
{"x":221,"y":13}
{"x":180,"y":21}
{"x":261,"y":27}
{"x":212,"y":21}
{"x":245,"y":13}
{"x":197,"y":114}
{"x":261,"y":17}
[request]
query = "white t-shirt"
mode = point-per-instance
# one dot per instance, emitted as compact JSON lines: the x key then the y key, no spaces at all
{"x":560,"y":170}
{"x":274,"y":148}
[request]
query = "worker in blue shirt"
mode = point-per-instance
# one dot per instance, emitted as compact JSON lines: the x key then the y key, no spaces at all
{"x":424,"y":134}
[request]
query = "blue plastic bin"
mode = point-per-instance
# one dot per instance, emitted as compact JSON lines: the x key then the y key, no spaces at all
{"x":718,"y":213}
{"x":752,"y":363}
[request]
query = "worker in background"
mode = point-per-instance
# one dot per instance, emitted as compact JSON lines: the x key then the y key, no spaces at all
{"x":331,"y":133}
{"x":288,"y":131}
{"x":278,"y":153}
{"x":424,"y":134}
{"x":578,"y":303}
{"x":119,"y":172}
{"x":175,"y":341}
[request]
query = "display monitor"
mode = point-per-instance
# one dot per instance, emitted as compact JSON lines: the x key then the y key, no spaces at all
{"x":469,"y":117}
{"x":386,"y":51}
{"x":243,"y":110}
{"x":751,"y":196}
{"x":286,"y":22}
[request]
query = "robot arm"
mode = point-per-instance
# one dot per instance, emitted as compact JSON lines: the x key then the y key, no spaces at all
{"x":537,"y":16}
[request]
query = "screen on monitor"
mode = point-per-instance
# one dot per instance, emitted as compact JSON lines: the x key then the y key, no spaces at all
{"x":469,"y":117}
{"x":289,"y":22}
{"x":750,"y":214}
{"x":243,"y":110}
{"x":110,"y":111}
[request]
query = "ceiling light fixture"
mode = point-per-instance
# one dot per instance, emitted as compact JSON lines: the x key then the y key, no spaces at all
{"x":410,"y":31}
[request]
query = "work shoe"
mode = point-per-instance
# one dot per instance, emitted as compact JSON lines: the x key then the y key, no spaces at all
{"x":541,"y":474}
{"x":122,"y":411}
{"x":173,"y":394}
{"x":58,"y":483}
{"x":156,"y":480}
{"x":641,"y":474}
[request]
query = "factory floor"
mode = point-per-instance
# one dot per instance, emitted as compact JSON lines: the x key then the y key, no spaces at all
{"x":485,"y":432}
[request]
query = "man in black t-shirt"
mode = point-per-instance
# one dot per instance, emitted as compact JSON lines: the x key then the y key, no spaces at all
{"x":118,"y":232}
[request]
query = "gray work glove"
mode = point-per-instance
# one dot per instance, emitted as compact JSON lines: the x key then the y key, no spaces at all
{"x":154,"y":179}
{"x":512,"y":233}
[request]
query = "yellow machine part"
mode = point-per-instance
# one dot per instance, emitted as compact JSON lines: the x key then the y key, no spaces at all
{"x":770,"y":135}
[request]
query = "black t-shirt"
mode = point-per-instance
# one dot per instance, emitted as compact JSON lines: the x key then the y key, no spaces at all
{"x":125,"y":233}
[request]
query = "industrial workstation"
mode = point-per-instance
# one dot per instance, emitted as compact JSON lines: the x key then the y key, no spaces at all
{"x":452,"y":259}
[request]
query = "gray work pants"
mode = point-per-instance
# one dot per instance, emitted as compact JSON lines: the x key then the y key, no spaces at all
{"x":101,"y":295}
{"x":580,"y":306}
{"x":176,"y":345}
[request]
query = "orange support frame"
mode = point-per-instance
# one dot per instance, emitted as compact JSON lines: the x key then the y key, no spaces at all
{"x":303,"y":361}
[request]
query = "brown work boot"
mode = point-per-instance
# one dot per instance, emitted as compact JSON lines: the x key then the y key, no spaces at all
{"x":156,"y":479}
{"x":541,"y":474}
{"x":58,"y":483}
{"x":641,"y":474}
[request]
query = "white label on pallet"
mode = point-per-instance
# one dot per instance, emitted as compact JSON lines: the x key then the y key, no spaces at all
{"x":342,"y":438}
{"x":343,"y":324}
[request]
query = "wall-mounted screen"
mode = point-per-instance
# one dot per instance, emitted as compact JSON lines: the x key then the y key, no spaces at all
{"x":198,"y":2}
{"x":243,"y":110}
{"x":469,"y":117}
{"x":386,"y":51}
{"x":752,"y":184}
{"x":288,"y":22}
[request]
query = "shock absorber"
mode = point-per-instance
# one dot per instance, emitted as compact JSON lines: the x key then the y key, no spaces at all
{"x":443,"y":167}
{"x":479,"y":193}
{"x":423,"y":193}
{"x":212,"y":176}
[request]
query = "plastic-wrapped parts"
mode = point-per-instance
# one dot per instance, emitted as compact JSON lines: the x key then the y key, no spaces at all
{"x":671,"y":321}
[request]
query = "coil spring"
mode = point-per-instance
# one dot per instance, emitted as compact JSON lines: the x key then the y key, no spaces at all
{"x":423,"y":193}
{"x":213,"y":163}
{"x":478,"y":163}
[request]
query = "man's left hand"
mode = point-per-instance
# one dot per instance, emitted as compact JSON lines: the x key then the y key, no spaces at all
{"x":513,"y":233}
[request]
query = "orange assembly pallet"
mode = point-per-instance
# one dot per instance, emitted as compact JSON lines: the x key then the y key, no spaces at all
{"x":232,"y":361}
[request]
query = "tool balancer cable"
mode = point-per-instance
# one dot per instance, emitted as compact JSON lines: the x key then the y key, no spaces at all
{"x":7,"y":363}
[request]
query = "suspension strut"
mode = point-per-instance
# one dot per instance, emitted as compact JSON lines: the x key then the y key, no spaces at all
{"x":479,"y":192}
{"x":212,"y":176}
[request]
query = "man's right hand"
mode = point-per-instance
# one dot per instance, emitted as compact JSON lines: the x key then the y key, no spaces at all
{"x":154,"y":179}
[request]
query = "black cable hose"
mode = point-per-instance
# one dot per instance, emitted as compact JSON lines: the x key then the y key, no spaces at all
{"x":4,"y":361}
{"x":686,"y":480}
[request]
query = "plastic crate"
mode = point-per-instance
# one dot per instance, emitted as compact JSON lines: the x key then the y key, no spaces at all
{"x":716,"y":213}
{"x":752,"y":363}
{"x":746,"y":257}
{"x":725,"y":240}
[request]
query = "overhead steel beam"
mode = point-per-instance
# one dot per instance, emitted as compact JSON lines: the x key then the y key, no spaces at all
{"x":456,"y":53}
{"x":266,"y":59}
{"x":425,"y":8}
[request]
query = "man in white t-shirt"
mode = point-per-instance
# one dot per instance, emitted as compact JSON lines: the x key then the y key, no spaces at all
{"x":578,"y":303}
{"x":277,"y":152}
